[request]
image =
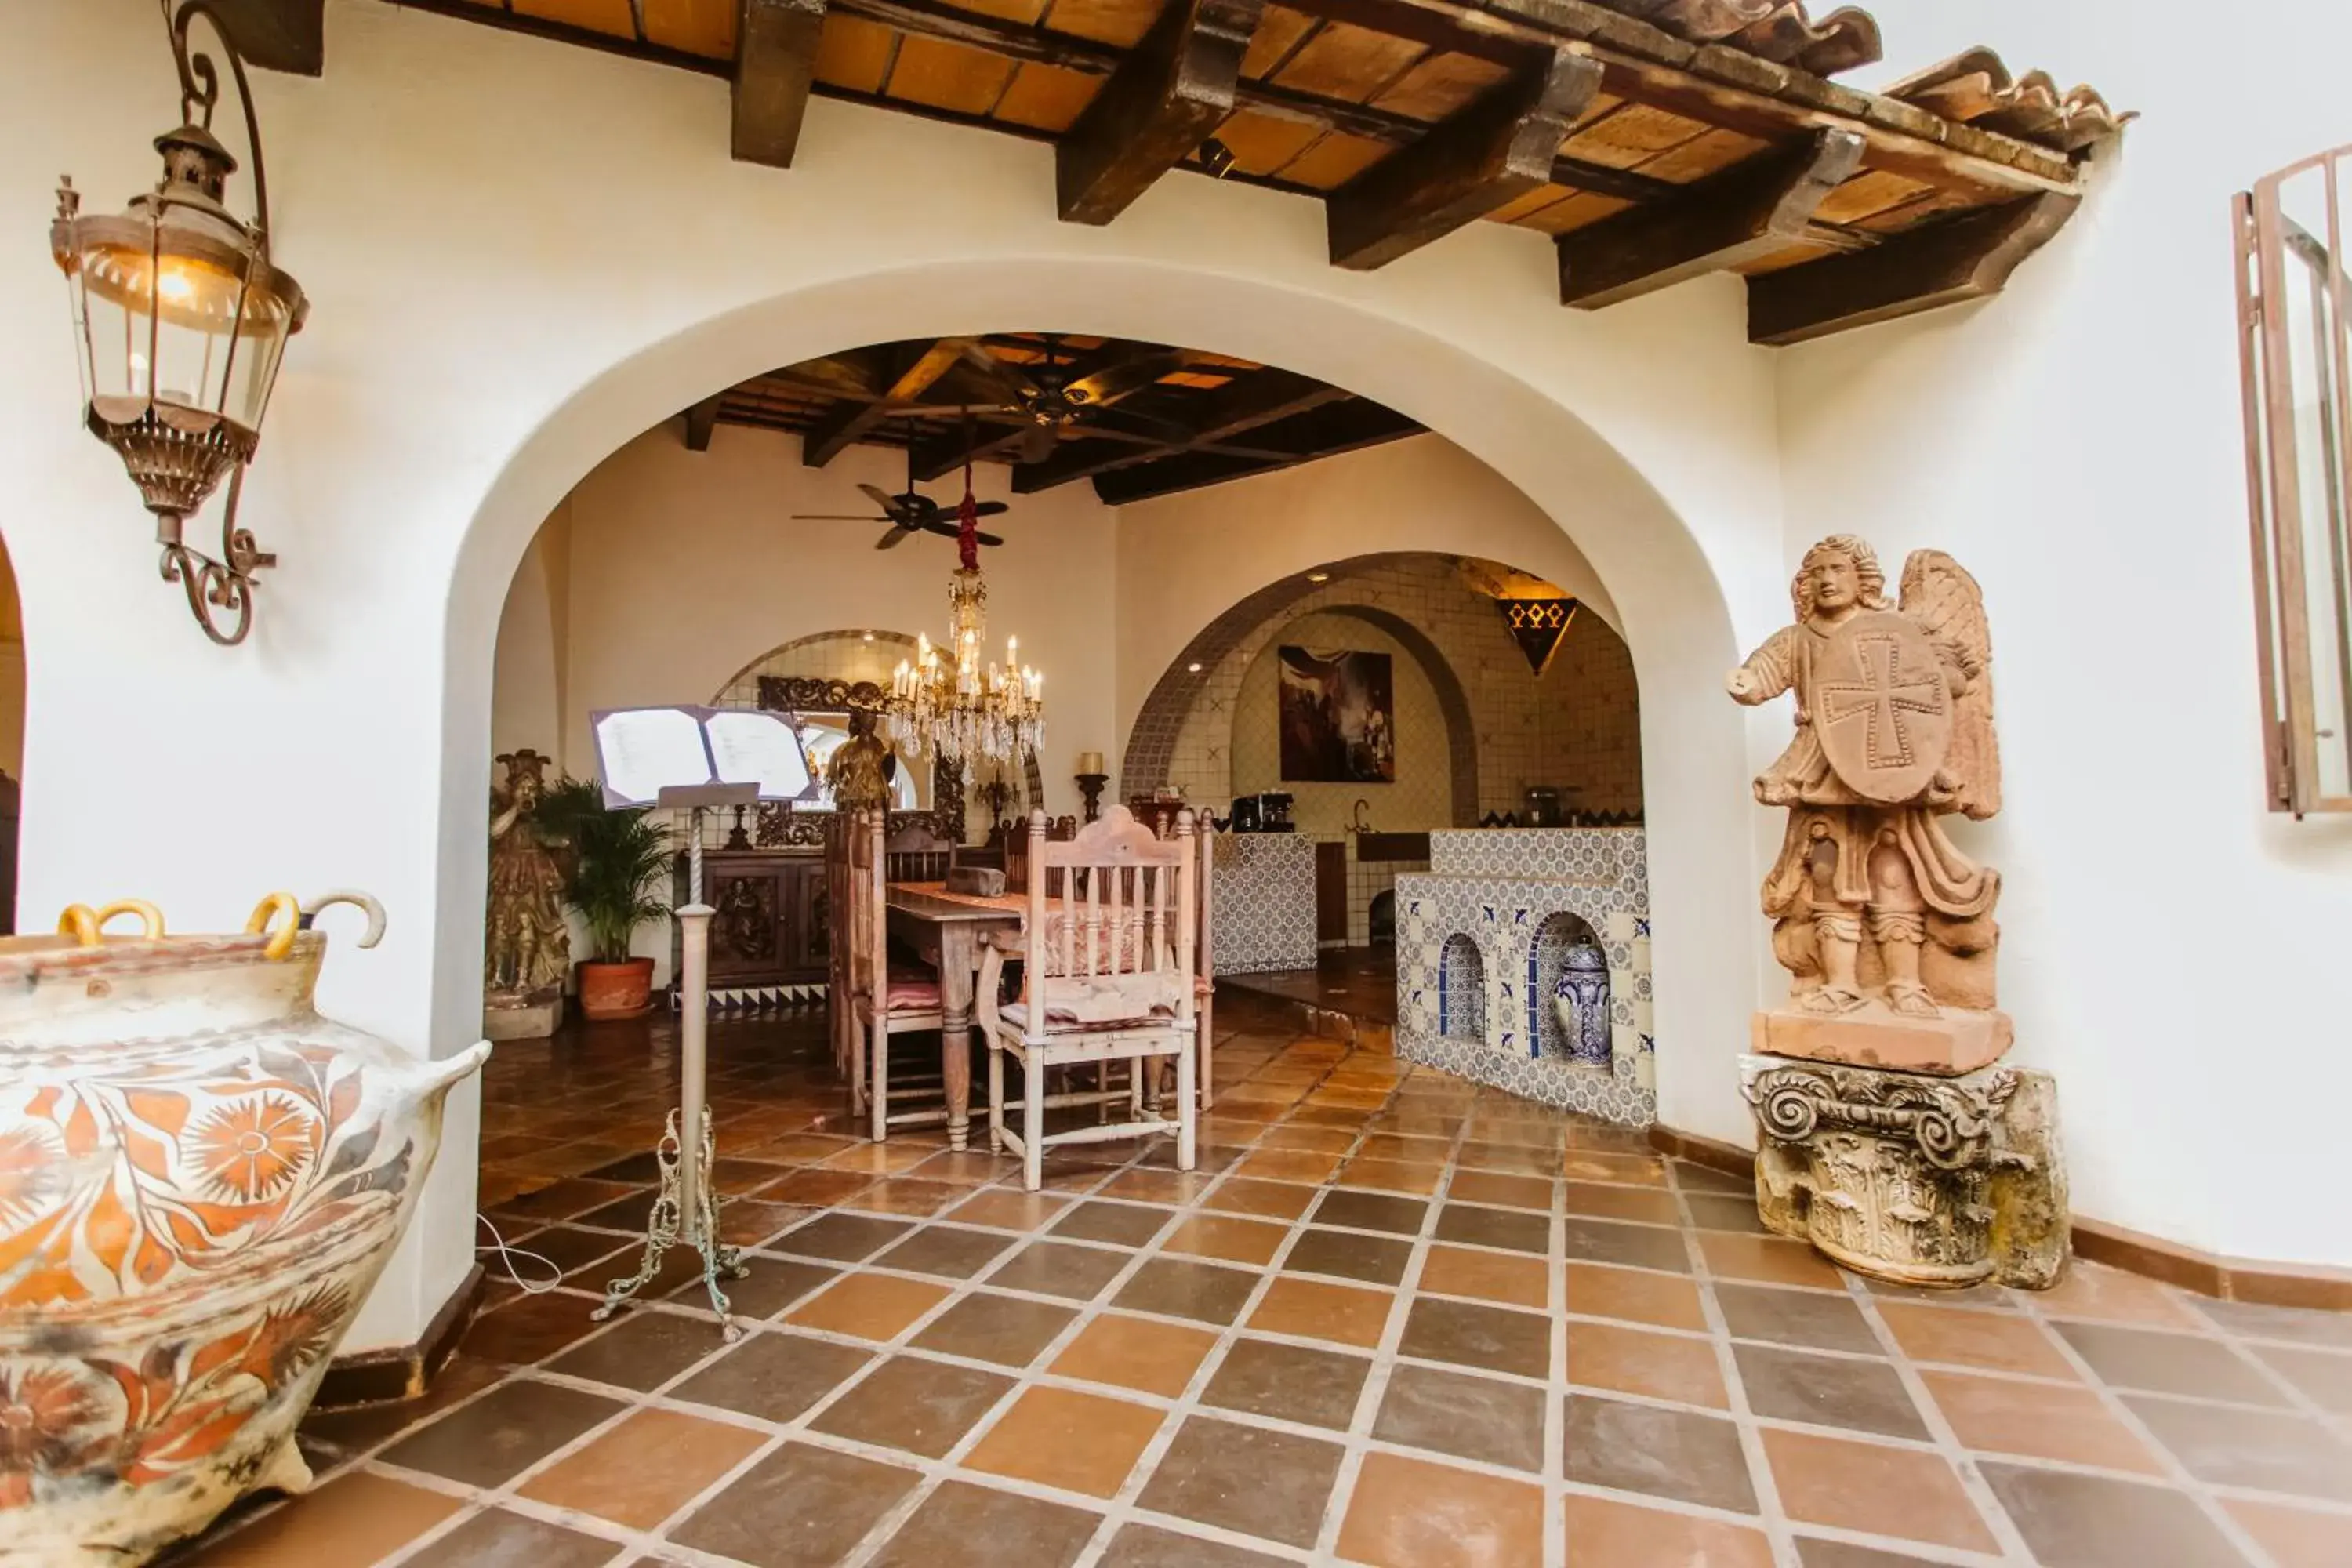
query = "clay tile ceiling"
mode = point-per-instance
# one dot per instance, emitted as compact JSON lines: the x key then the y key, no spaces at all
{"x":1135,"y":419}
{"x":1653,"y":140}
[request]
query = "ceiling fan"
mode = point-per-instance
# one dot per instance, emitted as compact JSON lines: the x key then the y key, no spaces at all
{"x":1054,"y":398}
{"x":911,"y":512}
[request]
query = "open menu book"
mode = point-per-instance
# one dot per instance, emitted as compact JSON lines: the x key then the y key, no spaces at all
{"x":640,"y":752}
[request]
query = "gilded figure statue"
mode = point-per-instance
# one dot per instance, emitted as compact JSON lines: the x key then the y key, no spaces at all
{"x":1870,"y":899}
{"x":528,"y":948}
{"x":859,"y":772}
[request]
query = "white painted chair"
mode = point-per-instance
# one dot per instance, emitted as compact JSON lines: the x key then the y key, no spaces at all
{"x":1107,"y":975}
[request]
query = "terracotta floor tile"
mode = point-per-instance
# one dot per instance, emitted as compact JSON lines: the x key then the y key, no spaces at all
{"x":502,"y":1434}
{"x":1058,"y":1268}
{"x":1853,"y":1392}
{"x":1649,"y":1205}
{"x":2261,"y":1450}
{"x":356,"y":1428}
{"x":1677,"y":1454}
{"x":844,"y":1237}
{"x":1509,"y":1159}
{"x":1768,"y":1259}
{"x":353,"y":1518}
{"x":1006,"y":1208}
{"x":1998,"y":1341}
{"x":530,"y":1329}
{"x":1906,"y":1493}
{"x":1179,"y":1287}
{"x":1233,"y":1240}
{"x":1594,"y":1165}
{"x":774,"y":1284}
{"x":2291,"y":1325}
{"x":1412,"y":1149}
{"x":2099,"y":1523}
{"x":748,"y":1222}
{"x":2002,"y":1415}
{"x":774,"y":1376}
{"x":949,"y":1251}
{"x":1318,"y":1308}
{"x":1381,"y":1212}
{"x":806,"y":1147}
{"x":1272,"y":1485}
{"x":1408,"y":1513}
{"x":1136,"y":1353}
{"x":2323,"y":1377}
{"x":800,"y":1507}
{"x":1289,"y":1166}
{"x":1006,"y":1330}
{"x":2197,"y":1366}
{"x":643,"y":1471}
{"x":1502,"y":1190}
{"x":965,"y":1168}
{"x":881,"y":1159}
{"x":1314,"y":1140}
{"x":980,"y":1527}
{"x":501,"y":1535}
{"x":1488,"y":1338}
{"x":1599,"y":1290}
{"x":1115,"y":1224}
{"x":1289,"y":1383}
{"x":1632,"y":1361}
{"x":1079,"y":1442}
{"x":2297,"y":1537}
{"x":1717,"y":1211}
{"x":1483,"y":1418}
{"x":1153,"y":1546}
{"x":1514,"y":1282}
{"x":562,"y":1200}
{"x":1348,"y":1255}
{"x":1392,"y":1177}
{"x":1633,"y":1245}
{"x":907,"y":1196}
{"x":815,"y":1188}
{"x":1606,"y":1534}
{"x":2109,"y":1295}
{"x":1813,"y":1318}
{"x":914,"y":1403}
{"x":1511,"y":1229}
{"x":644,"y":1350}
{"x":1273,"y":1200}
{"x":1153,"y":1186}
{"x":868,"y":1305}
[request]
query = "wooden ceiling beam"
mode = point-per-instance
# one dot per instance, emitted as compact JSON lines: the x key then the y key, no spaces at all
{"x":1967,"y":257}
{"x":775,"y":65}
{"x":1499,"y":148}
{"x":1259,"y":398}
{"x":849,"y":422}
{"x":1345,"y":426}
{"x":1173,"y":89}
{"x":276,"y":35}
{"x":1746,"y":211}
{"x":700,"y":421}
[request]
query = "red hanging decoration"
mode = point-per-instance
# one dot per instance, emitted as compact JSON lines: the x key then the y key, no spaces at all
{"x":968,"y":523}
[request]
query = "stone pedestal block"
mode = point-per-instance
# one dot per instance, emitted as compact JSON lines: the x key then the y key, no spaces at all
{"x":1873,"y":1037}
{"x":522,"y":1019}
{"x":1921,"y":1180}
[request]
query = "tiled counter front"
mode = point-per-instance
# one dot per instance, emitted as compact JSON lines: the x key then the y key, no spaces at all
{"x":1264,"y":910}
{"x":1496,"y":888}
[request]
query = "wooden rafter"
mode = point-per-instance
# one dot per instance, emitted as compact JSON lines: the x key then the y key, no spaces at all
{"x":1966,"y":257}
{"x":1172,"y":91}
{"x":1499,"y":148}
{"x":276,"y":35}
{"x":700,"y":421}
{"x":775,"y":64}
{"x":1339,"y":426}
{"x":1747,"y":211}
{"x":1242,"y":406}
{"x":851,"y":421}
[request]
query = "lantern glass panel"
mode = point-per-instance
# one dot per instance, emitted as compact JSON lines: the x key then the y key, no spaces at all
{"x":111,"y":299}
{"x":261,"y":342}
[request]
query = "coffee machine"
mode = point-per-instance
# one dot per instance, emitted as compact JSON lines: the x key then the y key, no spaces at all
{"x":1266,"y":812}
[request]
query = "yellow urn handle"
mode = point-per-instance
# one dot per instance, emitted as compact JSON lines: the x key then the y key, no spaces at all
{"x":87,"y":926}
{"x":272,"y":908}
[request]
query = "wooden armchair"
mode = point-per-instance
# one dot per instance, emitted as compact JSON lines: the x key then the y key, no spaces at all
{"x":881,"y":1004}
{"x":916,"y":854}
{"x":1107,"y":975}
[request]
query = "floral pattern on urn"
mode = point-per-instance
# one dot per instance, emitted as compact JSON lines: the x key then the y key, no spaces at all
{"x":200,"y":1180}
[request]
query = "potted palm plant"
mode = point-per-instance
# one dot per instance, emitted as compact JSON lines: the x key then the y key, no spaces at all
{"x":622,"y":858}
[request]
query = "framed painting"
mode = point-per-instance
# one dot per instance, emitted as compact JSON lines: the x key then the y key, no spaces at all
{"x":1338,"y":718}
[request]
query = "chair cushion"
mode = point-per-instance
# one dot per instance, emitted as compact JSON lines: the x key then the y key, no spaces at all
{"x":1060,"y":1020}
{"x":909,"y":995}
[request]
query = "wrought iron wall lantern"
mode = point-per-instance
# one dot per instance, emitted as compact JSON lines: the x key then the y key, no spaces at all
{"x":180,"y":320}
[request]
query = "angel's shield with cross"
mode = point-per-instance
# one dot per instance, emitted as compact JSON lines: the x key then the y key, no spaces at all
{"x":1881,"y":707}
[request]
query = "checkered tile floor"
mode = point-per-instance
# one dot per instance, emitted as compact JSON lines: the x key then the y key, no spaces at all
{"x":1394,"y":1319}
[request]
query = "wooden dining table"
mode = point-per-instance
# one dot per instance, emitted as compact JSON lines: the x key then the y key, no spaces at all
{"x":953,"y":931}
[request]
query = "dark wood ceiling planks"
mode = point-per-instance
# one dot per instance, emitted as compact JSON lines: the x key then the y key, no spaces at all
{"x":1198,"y":419}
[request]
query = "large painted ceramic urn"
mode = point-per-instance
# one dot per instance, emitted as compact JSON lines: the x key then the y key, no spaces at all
{"x":200,"y":1179}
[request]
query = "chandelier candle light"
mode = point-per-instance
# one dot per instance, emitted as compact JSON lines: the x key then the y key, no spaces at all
{"x":947,"y":701}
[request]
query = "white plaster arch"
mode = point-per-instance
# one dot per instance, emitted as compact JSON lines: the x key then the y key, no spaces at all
{"x":1675,"y":613}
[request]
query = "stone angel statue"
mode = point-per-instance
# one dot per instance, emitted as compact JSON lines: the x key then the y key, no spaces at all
{"x":1871,"y":899}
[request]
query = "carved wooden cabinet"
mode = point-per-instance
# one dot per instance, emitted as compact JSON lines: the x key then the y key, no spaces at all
{"x":772,"y":926}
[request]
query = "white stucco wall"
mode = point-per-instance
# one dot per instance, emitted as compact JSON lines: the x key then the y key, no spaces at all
{"x":2171,"y":949}
{"x":521,"y":256}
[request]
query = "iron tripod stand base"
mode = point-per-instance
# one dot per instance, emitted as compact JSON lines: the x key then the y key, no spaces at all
{"x":667,"y":1227}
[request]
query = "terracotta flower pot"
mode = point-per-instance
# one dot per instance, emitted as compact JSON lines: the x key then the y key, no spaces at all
{"x":622,"y":990}
{"x":200,"y":1180}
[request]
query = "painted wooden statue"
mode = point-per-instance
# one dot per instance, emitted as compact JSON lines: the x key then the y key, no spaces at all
{"x":528,"y":949}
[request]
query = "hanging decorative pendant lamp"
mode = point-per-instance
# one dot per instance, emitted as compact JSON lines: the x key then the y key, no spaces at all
{"x":180,"y":320}
{"x":955,"y":706}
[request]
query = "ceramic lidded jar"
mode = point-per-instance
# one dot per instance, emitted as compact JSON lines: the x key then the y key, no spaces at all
{"x":1580,"y":998}
{"x":200,"y":1180}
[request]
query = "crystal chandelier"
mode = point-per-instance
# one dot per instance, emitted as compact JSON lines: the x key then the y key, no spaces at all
{"x":948,"y":701}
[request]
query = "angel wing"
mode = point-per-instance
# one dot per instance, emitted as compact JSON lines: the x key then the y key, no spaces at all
{"x":1938,"y":594}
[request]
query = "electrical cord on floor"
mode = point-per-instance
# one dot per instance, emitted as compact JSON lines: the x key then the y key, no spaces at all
{"x":507,"y":1255}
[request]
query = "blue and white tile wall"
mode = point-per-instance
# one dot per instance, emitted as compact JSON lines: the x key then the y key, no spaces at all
{"x":1497,"y":887}
{"x":1264,"y":917}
